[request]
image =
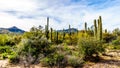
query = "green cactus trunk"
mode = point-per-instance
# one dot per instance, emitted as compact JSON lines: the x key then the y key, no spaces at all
{"x":98,"y":33}
{"x":85,"y":27}
{"x":47,"y":28}
{"x":100,"y":28}
{"x":69,"y":30}
{"x":105,"y":30}
{"x":95,"y":29}
{"x":57,"y":37}
{"x":100,"y":19}
{"x":51,"y":33}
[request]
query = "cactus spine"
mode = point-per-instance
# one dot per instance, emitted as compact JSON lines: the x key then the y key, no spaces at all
{"x":47,"y":28}
{"x":95,"y":29}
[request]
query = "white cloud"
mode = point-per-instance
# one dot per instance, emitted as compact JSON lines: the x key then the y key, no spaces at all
{"x":28,"y":13}
{"x":17,"y":5}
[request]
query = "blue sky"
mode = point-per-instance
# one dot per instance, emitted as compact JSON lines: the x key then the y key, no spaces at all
{"x":27,"y":13}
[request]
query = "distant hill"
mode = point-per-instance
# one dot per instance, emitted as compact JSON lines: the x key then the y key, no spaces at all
{"x":13,"y":29}
{"x":67,"y":30}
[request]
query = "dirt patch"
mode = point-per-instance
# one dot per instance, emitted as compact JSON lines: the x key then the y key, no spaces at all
{"x":3,"y":63}
{"x":110,"y":59}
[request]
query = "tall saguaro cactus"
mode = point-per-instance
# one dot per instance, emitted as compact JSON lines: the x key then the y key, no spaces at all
{"x":105,"y":30}
{"x":51,"y":33}
{"x":69,"y":30}
{"x":95,"y":29}
{"x":56,"y":37}
{"x":47,"y":28}
{"x":99,"y":33}
{"x":100,"y":19}
{"x":85,"y":27}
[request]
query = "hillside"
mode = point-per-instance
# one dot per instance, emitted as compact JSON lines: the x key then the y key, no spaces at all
{"x":13,"y":29}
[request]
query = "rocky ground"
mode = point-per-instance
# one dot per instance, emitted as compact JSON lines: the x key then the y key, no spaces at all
{"x":109,"y":60}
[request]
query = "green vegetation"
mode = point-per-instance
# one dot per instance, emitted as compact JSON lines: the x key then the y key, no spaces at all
{"x":58,"y":49}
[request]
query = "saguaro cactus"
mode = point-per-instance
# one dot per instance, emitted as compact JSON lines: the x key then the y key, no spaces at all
{"x":105,"y":30}
{"x":95,"y":29}
{"x":51,"y":33}
{"x":47,"y":28}
{"x":85,"y":27}
{"x":100,"y":28}
{"x":69,"y":30}
{"x":56,"y":37}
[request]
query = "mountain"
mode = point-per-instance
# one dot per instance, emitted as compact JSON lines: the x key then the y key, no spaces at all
{"x":67,"y":30}
{"x":13,"y":29}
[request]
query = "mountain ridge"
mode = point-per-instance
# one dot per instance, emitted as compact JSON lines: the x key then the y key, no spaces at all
{"x":12,"y":29}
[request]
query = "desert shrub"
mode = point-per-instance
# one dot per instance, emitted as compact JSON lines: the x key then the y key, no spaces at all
{"x":14,"y":58}
{"x":4,"y":55}
{"x":90,"y":47}
{"x":75,"y":61}
{"x":33,"y":47}
{"x":116,"y":47}
{"x":3,"y":39}
{"x":107,"y":37}
{"x":14,"y":40}
{"x":116,"y":41}
{"x":54,"y":60}
{"x":63,"y":56}
{"x":5,"y":49}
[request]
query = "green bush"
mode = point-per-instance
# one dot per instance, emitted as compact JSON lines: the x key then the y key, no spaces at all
{"x":116,"y":41}
{"x":5,"y":49}
{"x":4,"y":55}
{"x":3,"y":39}
{"x":33,"y":47}
{"x":13,"y":58}
{"x":75,"y":61}
{"x":117,"y":47}
{"x":90,"y":47}
{"x":55,"y":59}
